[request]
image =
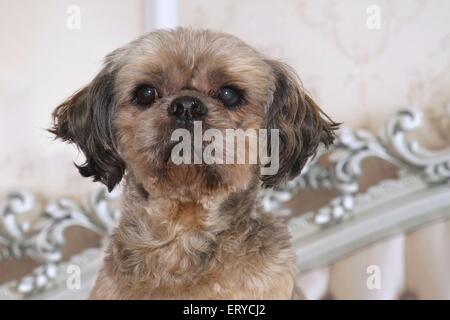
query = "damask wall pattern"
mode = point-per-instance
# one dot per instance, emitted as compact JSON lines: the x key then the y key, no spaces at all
{"x":358,"y":75}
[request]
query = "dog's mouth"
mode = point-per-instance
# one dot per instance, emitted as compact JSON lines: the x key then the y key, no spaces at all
{"x":187,"y":165}
{"x":189,"y":155}
{"x":189,"y":145}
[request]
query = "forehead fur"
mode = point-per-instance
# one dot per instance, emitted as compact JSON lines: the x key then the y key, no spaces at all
{"x":185,"y":58}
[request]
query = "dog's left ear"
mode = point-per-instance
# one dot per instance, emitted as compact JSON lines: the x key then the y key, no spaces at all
{"x":301,"y":123}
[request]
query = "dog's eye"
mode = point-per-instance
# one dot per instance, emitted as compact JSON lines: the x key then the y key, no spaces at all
{"x":145,"y":95}
{"x":230,"y":97}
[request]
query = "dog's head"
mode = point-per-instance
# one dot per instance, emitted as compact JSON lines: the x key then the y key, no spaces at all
{"x":167,"y":80}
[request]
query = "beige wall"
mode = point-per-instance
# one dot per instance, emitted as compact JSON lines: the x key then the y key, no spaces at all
{"x":358,"y":75}
{"x":41,"y":63}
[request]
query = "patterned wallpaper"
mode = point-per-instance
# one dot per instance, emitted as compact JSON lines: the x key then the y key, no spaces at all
{"x":42,"y":62}
{"x":358,"y":74}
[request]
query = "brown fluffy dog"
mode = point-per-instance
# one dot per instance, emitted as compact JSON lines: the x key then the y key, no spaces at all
{"x":191,"y":231}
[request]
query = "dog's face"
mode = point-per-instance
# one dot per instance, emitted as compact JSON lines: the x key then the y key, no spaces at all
{"x":167,"y":80}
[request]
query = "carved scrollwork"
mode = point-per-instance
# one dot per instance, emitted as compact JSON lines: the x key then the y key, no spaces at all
{"x":352,"y":147}
{"x":13,"y":230}
{"x":434,"y":165}
{"x":43,"y":237}
{"x":44,"y":241}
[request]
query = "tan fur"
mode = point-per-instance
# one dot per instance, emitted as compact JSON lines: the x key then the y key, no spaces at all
{"x":169,"y":250}
{"x":191,"y":231}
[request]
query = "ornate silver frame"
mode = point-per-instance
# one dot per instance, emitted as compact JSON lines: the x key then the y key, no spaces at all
{"x":351,"y":220}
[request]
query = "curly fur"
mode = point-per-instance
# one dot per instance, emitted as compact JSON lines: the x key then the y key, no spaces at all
{"x":191,"y":231}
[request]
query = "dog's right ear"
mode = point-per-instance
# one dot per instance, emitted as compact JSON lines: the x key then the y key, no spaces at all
{"x":85,"y":119}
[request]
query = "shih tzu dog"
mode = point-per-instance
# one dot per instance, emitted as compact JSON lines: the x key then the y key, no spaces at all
{"x":191,"y":231}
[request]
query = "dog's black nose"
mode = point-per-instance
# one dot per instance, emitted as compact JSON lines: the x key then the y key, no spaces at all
{"x":187,"y":108}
